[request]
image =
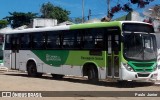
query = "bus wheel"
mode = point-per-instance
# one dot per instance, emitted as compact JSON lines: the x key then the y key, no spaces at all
{"x":92,"y":75}
{"x":57,"y":76}
{"x":39,"y":74}
{"x":32,"y":70}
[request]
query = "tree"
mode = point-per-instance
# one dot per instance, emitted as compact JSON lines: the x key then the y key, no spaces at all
{"x":127,"y":6}
{"x":17,"y":19}
{"x":48,"y":10}
{"x":3,"y":23}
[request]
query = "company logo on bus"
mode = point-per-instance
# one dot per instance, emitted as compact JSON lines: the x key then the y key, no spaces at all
{"x":52,"y":58}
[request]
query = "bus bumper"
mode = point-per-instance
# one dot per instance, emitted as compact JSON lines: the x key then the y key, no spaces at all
{"x":138,"y":76}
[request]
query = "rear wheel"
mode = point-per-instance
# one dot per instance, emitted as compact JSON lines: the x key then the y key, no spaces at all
{"x":32,"y":70}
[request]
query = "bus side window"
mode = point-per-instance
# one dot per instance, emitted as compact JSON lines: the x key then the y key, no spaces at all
{"x":99,"y":44}
{"x":78,"y":40}
{"x":93,"y":38}
{"x":8,"y":42}
{"x":116,"y":44}
{"x":30,"y":44}
{"x":53,"y":40}
{"x":88,"y":39}
{"x":68,"y":39}
{"x":38,"y":40}
{"x":24,"y":41}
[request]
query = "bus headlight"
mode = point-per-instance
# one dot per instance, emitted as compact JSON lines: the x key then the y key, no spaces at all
{"x":129,"y":68}
{"x":156,"y":67}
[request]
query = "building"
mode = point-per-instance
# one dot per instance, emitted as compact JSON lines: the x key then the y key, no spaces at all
{"x":135,"y":16}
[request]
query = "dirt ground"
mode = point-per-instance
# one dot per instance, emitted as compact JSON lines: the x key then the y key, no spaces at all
{"x":19,"y":81}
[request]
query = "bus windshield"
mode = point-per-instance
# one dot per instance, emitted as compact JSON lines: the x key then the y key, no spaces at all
{"x":139,"y":46}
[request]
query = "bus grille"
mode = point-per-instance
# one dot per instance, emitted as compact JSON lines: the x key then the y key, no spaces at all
{"x":142,"y":70}
{"x":143,"y":64}
{"x":143,"y":75}
{"x":142,"y":67}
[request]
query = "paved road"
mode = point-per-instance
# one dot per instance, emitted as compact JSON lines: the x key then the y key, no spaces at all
{"x":18,"y":81}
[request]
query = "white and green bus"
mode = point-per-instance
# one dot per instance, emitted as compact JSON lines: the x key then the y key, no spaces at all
{"x":123,"y":50}
{"x":1,"y":50}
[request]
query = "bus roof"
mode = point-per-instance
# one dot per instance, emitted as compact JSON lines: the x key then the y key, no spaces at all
{"x":72,"y":27}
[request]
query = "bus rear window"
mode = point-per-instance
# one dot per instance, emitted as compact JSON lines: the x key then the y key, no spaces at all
{"x":138,"y":27}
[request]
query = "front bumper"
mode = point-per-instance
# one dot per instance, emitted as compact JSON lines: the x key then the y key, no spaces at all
{"x":137,"y":76}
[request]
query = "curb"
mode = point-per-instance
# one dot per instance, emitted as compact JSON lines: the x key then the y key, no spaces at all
{"x":157,"y":83}
{"x":3,"y":69}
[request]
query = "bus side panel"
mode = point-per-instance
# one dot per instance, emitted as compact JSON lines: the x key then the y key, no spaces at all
{"x":7,"y":58}
{"x":25,"y":56}
{"x":158,"y":54}
{"x":76,"y":60}
{"x":72,"y":70}
{"x":52,"y":69}
{"x":68,"y":62}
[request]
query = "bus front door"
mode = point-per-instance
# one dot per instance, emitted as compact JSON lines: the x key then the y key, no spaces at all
{"x":113,"y":56}
{"x":14,"y":52}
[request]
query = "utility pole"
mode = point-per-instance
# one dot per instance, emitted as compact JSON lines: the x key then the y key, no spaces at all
{"x":89,"y":14}
{"x":108,"y":9}
{"x":109,"y":15}
{"x":82,"y":11}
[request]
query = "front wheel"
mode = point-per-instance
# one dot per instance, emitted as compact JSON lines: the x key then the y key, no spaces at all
{"x":92,"y":75}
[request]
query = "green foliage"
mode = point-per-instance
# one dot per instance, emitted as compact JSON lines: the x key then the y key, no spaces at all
{"x":17,"y":19}
{"x":3,"y":23}
{"x":48,"y":10}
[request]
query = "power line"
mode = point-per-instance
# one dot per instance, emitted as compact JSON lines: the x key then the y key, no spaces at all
{"x":112,"y":1}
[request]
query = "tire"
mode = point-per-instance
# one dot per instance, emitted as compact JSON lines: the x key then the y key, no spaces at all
{"x":32,"y":70}
{"x":92,"y":75}
{"x":57,"y":76}
{"x":39,"y":74}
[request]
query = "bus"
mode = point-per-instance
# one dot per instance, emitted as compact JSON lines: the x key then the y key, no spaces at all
{"x":1,"y":50}
{"x":121,"y":50}
{"x":158,"y":54}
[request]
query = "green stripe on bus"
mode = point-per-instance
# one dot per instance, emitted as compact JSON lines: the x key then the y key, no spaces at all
{"x":57,"y":58}
{"x":95,"y":25}
{"x":52,"y":57}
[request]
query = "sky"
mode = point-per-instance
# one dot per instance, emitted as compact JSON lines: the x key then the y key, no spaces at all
{"x":98,"y":7}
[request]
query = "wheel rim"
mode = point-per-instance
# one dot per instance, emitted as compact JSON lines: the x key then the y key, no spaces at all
{"x":90,"y":76}
{"x":33,"y":70}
